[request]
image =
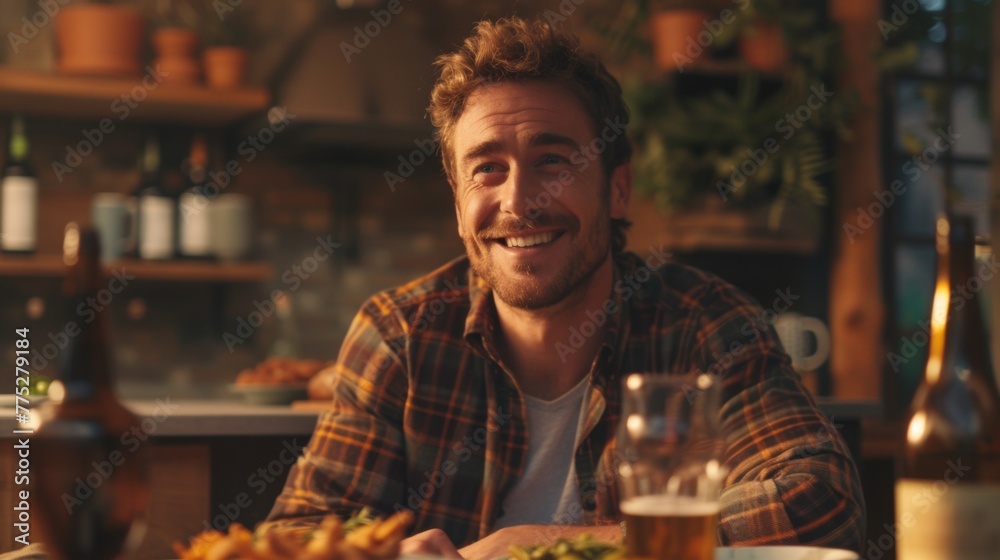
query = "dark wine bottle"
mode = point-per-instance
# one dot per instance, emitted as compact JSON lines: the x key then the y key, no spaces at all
{"x":948,"y":492}
{"x":91,"y":493}
{"x":192,"y":216}
{"x":155,"y":208}
{"x":18,"y":194}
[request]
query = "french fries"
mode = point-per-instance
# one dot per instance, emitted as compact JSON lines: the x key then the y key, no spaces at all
{"x":376,"y":541}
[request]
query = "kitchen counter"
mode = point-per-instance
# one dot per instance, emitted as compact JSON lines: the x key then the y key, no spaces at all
{"x":198,"y":418}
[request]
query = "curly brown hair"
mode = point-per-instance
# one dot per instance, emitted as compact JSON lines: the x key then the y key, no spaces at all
{"x":515,"y":49}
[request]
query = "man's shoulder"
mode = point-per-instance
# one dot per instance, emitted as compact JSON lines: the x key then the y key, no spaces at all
{"x":679,"y":286}
{"x":449,"y":284}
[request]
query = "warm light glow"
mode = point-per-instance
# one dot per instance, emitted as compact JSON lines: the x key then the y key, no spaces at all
{"x":939,"y":308}
{"x":918,"y":427}
{"x":71,"y":244}
{"x":635,"y":425}
{"x":704,"y":381}
{"x":634,"y":382}
{"x":57,"y":392}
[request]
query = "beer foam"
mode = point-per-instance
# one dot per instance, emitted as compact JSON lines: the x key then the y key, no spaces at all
{"x":662,"y":504}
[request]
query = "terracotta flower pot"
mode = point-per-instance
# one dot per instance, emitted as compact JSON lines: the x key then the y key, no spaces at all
{"x":175,"y":42}
{"x":176,"y":50}
{"x":225,"y":67}
{"x":99,"y":39}
{"x":763,"y":47}
{"x":674,"y":35}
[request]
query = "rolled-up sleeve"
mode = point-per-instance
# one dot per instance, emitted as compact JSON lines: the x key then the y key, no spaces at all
{"x":791,"y":478}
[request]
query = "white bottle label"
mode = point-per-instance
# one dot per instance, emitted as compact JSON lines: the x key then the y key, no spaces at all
{"x":194,"y":236}
{"x":18,"y":221}
{"x":156,"y":224}
{"x":943,"y":520}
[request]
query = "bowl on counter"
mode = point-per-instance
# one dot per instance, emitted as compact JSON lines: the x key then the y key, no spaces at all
{"x":273,"y":394}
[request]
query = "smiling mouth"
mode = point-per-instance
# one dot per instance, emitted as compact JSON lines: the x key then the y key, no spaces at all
{"x":525,"y":241}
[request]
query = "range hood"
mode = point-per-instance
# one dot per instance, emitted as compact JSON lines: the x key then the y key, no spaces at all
{"x":353,"y":84}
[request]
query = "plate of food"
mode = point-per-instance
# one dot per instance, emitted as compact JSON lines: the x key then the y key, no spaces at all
{"x":783,"y":553}
{"x":588,"y":548}
{"x":276,"y":381}
{"x":367,"y":539}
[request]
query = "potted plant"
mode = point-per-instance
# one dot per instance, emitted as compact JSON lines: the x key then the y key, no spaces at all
{"x":176,"y":41}
{"x":673,"y":33}
{"x":99,"y":38}
{"x":228,"y":36}
{"x":727,"y":147}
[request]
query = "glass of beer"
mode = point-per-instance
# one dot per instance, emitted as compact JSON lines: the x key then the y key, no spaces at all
{"x":671,"y":471}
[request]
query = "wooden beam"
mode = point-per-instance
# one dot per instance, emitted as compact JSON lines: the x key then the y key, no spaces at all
{"x":857,"y":312}
{"x":995,"y":183}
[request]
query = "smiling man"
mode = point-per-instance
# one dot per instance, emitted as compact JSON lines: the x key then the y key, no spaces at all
{"x":485,"y":396}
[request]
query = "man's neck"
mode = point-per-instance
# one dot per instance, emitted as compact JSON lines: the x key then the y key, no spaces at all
{"x":529,"y":340}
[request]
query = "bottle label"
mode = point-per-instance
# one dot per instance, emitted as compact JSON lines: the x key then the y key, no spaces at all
{"x":156,"y":222}
{"x":194,"y":235}
{"x":18,"y":213}
{"x":938,"y":520}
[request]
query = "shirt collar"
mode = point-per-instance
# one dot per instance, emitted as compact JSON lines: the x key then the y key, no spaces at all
{"x":482,"y":320}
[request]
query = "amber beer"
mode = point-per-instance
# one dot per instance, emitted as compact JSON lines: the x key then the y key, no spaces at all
{"x":669,"y":528}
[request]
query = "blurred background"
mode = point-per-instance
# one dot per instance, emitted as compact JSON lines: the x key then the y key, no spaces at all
{"x":259,"y":168}
{"x":797,"y":147}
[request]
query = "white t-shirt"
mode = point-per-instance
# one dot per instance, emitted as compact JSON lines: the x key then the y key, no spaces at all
{"x":547,"y":490}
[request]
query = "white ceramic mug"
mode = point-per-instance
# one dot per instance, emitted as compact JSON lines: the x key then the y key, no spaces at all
{"x":230,"y":226}
{"x":795,"y":330}
{"x":110,"y":216}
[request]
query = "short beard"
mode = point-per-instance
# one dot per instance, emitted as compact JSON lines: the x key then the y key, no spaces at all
{"x":532,"y":297}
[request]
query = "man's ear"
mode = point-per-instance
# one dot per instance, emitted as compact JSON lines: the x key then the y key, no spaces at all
{"x":621,"y":190}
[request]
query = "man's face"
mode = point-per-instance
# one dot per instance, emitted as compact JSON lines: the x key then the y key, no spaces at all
{"x":534,"y":211}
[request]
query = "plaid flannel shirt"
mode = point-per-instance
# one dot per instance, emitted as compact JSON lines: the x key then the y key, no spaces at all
{"x":425,"y":417}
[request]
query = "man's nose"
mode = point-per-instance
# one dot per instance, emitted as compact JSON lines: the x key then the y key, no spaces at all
{"x":519,"y":194}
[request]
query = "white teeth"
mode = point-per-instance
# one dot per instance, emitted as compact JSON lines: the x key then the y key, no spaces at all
{"x":530,"y":240}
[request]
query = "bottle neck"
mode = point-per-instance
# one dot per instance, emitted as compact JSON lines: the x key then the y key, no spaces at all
{"x":958,"y":341}
{"x":85,"y":370}
{"x":17,"y":147}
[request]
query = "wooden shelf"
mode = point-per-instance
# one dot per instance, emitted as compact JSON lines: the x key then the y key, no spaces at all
{"x":720,"y":229}
{"x":120,"y":99}
{"x":48,"y":266}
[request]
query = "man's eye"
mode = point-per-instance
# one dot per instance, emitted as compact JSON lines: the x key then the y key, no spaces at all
{"x":552,"y":159}
{"x":486,"y":168}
